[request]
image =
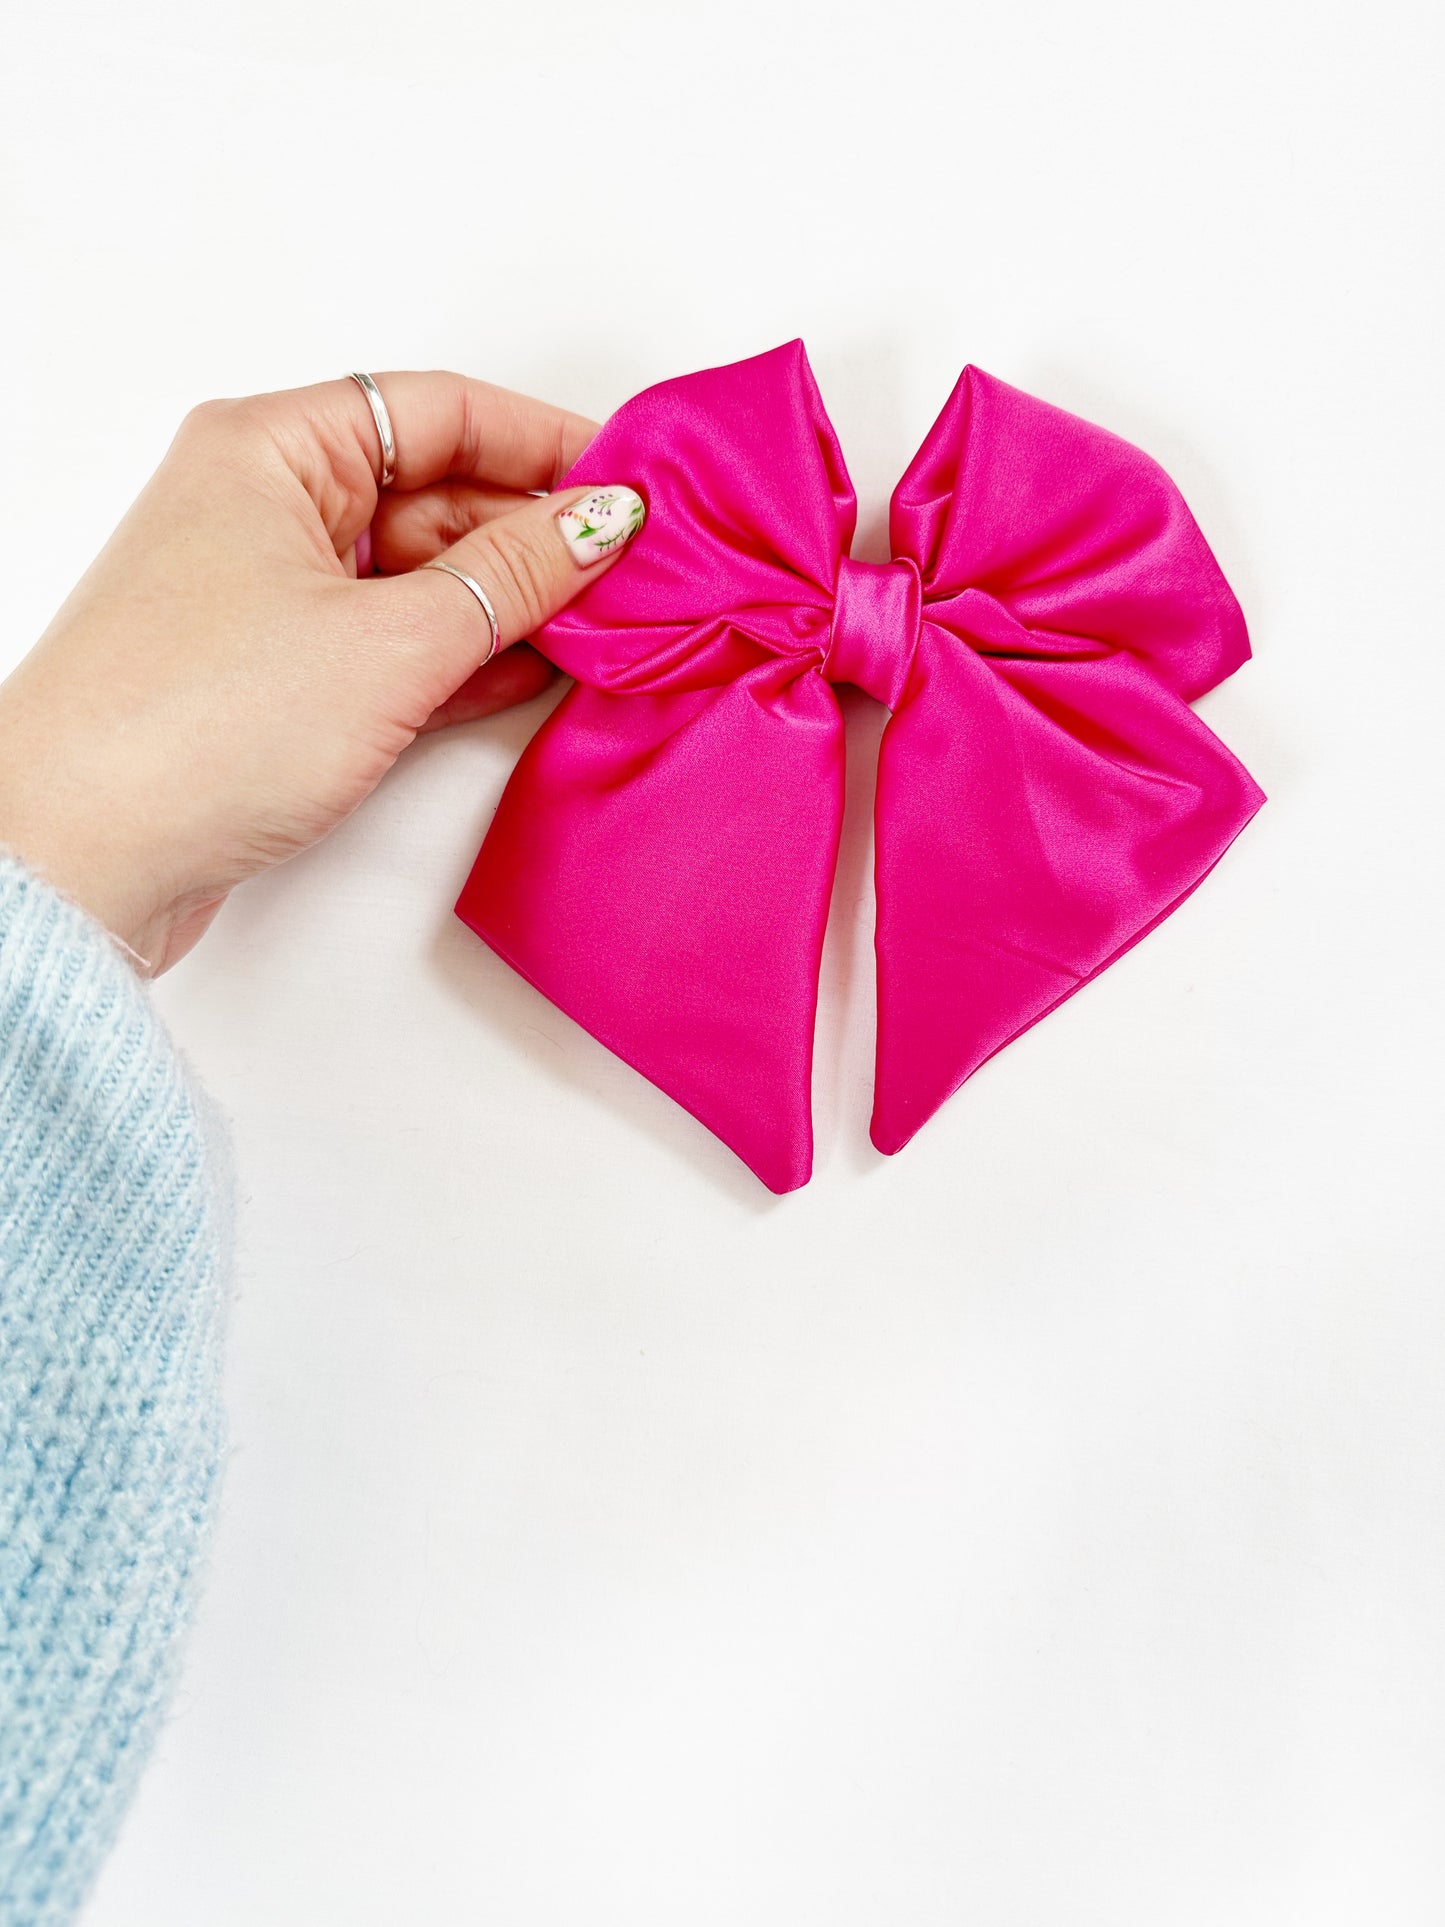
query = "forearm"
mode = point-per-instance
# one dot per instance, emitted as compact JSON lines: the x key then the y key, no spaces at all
{"x":110,"y":1313}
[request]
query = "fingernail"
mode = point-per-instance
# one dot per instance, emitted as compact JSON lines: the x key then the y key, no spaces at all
{"x":600,"y":523}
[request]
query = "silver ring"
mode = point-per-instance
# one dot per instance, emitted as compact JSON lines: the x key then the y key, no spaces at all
{"x":486,"y":601}
{"x":381,"y":416}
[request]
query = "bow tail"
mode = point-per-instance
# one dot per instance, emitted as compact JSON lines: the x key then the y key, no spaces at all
{"x":1035,"y":818}
{"x":659,"y":867}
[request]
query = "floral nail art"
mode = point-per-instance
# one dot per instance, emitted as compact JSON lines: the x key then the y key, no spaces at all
{"x":601,"y":522}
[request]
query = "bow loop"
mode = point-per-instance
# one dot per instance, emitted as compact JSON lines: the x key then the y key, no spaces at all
{"x":661,"y":861}
{"x":749,"y":507}
{"x":1077,"y":536}
{"x":877,"y":609}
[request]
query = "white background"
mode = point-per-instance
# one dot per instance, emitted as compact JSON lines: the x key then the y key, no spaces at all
{"x":1044,"y":1526}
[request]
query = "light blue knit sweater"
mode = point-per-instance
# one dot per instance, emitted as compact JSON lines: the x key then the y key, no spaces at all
{"x":110,"y":1316}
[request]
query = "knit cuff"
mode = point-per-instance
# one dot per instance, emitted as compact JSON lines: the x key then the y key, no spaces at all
{"x":110,"y":1322}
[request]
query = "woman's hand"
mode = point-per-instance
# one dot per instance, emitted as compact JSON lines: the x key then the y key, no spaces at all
{"x":220,"y":689}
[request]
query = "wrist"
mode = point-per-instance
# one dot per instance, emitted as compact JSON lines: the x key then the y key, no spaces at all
{"x":68,"y":871}
{"x":72,"y":837}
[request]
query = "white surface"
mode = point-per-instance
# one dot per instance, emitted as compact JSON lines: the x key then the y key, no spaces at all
{"x":1045,"y":1526}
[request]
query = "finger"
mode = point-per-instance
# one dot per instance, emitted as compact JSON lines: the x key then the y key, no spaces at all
{"x":410,"y":529}
{"x":446,"y":427}
{"x":529,"y":564}
{"x":512,"y":678}
{"x":452,"y":428}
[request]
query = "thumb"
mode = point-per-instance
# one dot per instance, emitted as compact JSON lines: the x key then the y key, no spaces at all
{"x":528,"y":563}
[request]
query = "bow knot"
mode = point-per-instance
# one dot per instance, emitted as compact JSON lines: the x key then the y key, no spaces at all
{"x":877,"y":615}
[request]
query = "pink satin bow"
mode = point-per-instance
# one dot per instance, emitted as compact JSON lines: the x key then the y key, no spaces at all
{"x":661,"y":861}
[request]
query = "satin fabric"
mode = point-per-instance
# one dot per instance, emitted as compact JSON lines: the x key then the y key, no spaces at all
{"x":661,"y":861}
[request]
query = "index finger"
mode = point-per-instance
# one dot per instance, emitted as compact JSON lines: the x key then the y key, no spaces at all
{"x":446,"y":427}
{"x":452,"y":428}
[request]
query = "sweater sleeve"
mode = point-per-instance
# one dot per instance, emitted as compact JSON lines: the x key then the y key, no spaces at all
{"x":111,"y":1245}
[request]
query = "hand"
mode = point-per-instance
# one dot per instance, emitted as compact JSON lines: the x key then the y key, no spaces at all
{"x":221,"y":690}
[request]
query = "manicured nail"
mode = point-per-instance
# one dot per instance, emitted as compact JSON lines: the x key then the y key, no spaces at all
{"x":600,"y":523}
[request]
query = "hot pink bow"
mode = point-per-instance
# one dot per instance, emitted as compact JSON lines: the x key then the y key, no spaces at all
{"x":661,"y":861}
